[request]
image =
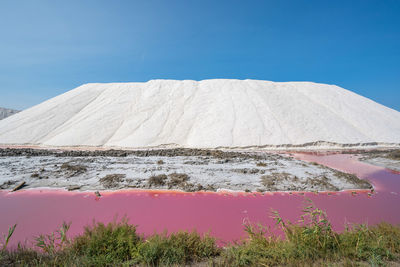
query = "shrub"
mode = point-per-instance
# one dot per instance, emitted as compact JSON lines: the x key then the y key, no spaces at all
{"x":112,"y":180}
{"x":157,"y":180}
{"x":114,"y":242}
{"x":177,"y":248}
{"x":177,"y":179}
{"x":261,"y":164}
{"x":54,"y":242}
{"x":310,"y":242}
{"x":74,"y":168}
{"x":395,"y":154}
{"x":8,"y":237}
{"x":313,"y":241}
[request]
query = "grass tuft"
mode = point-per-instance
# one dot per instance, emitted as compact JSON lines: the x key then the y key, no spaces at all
{"x":177,"y":248}
{"x":114,"y":242}
{"x":157,"y":180}
{"x":313,"y":242}
{"x":395,"y":154}
{"x":74,"y":168}
{"x":177,"y":179}
{"x":112,"y":180}
{"x":8,"y":236}
{"x":261,"y":164}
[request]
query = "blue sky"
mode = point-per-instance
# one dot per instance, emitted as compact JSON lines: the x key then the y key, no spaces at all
{"x":49,"y":47}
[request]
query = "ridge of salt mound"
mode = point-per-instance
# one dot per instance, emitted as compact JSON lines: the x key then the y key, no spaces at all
{"x":204,"y":114}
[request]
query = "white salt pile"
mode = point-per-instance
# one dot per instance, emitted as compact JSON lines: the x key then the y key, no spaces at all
{"x":204,"y":114}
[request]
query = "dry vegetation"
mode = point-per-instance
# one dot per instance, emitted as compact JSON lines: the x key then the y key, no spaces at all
{"x":112,"y":180}
{"x":261,"y":164}
{"x":73,"y":170}
{"x":270,"y":181}
{"x":185,"y":169}
{"x":389,"y":154}
{"x":362,"y":184}
{"x":176,"y":181}
{"x":312,"y":242}
{"x":157,"y":180}
{"x":395,"y":155}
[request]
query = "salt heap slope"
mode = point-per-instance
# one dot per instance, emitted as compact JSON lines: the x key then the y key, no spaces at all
{"x":203,"y":114}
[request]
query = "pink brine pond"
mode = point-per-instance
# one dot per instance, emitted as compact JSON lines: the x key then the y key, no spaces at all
{"x":221,"y":214}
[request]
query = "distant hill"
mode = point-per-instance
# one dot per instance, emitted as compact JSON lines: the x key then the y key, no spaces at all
{"x":5,"y":112}
{"x":204,"y":114}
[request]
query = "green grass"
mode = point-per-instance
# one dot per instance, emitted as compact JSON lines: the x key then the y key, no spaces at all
{"x":111,"y":243}
{"x":8,"y":236}
{"x":178,"y":248}
{"x":116,"y":243}
{"x":310,"y":241}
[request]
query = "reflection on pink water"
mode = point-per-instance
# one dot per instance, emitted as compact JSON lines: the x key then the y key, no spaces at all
{"x":42,"y":211}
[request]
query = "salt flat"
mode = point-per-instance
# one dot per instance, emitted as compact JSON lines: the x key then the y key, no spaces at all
{"x":205,"y":114}
{"x":388,"y":159}
{"x":204,"y":171}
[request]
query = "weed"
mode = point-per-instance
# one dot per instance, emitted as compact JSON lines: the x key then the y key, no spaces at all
{"x":51,"y":243}
{"x":114,"y":242}
{"x":272,"y":181}
{"x":310,"y":241}
{"x":177,"y":248}
{"x":395,"y":155}
{"x":157,"y":180}
{"x":74,"y":168}
{"x":322,"y":182}
{"x":246,"y":170}
{"x":261,"y":164}
{"x":8,"y":237}
{"x":112,"y":180}
{"x":177,"y":179}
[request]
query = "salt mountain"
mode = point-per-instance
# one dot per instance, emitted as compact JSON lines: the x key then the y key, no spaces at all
{"x":204,"y":114}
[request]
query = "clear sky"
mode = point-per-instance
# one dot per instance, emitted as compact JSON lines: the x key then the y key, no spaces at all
{"x":49,"y":47}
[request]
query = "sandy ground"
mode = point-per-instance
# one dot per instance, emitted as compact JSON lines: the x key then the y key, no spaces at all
{"x":178,"y":169}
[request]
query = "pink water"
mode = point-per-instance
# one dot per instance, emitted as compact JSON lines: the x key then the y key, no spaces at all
{"x":42,"y":211}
